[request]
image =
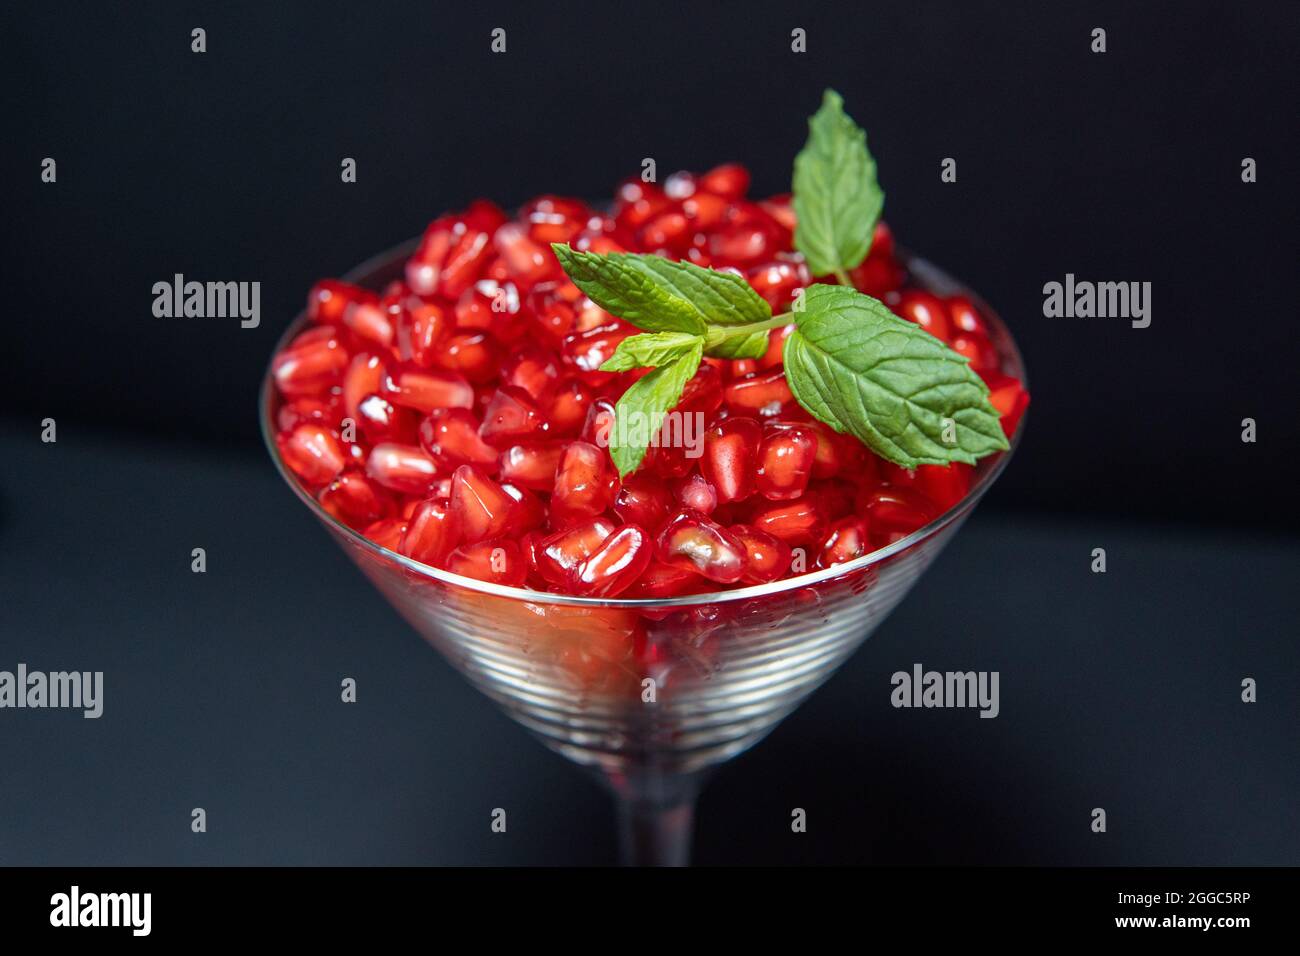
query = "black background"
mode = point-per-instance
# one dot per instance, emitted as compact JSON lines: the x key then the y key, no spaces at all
{"x":225,"y":165}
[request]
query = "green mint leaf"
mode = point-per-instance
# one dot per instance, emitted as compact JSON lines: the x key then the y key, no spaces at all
{"x":659,"y":295}
{"x":651,"y":350}
{"x":638,"y":415}
{"x":895,"y":387}
{"x":836,"y":197}
{"x":736,"y":345}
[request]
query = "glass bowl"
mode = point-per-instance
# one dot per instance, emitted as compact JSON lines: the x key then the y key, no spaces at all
{"x":650,"y":694}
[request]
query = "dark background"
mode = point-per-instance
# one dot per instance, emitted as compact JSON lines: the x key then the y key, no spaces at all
{"x":1119,"y":691}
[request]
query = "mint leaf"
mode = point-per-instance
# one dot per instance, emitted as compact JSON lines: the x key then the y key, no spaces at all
{"x":659,"y":295}
{"x":836,"y":197}
{"x":737,"y":345}
{"x":639,"y":414}
{"x":650,"y":350}
{"x":896,"y":388}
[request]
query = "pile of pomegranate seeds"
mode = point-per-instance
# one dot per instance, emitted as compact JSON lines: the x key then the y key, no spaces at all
{"x":460,"y":417}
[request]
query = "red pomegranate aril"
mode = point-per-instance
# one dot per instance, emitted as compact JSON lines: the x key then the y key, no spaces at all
{"x":582,"y":483}
{"x":704,"y":211}
{"x":330,"y":299}
{"x":559,"y":553}
{"x":787,"y":459}
{"x":386,"y":532}
{"x":661,"y":580}
{"x":834,"y":497}
{"x":643,"y":501}
{"x":692,"y":542}
{"x":482,"y":508}
{"x":764,"y":393}
{"x":431,"y":533}
{"x":308,"y":411}
{"x":600,"y":422}
{"x":779,"y":208}
{"x":419,"y":333}
{"x":612,"y":567}
{"x":796,"y":522}
{"x":313,"y":453}
{"x":531,"y":465}
{"x":742,"y":244}
{"x":671,"y":230}
{"x":497,"y":562}
{"x":311,"y":365}
{"x":370,"y":321}
{"x":525,"y":260}
{"x":429,"y":389}
{"x":465,"y":262}
{"x":926,"y":310}
{"x":731,"y":454}
{"x":529,"y":512}
{"x":533,"y":369}
{"x":695,"y":492}
{"x":983,"y":356}
{"x":703,"y":391}
{"x":366,"y":375}
{"x":730,"y":181}
{"x":566,"y":406}
{"x":766,"y":557}
{"x":589,"y":350}
{"x":451,"y":435}
{"x":777,"y":282}
{"x":892,"y":511}
{"x":877,"y":276}
{"x":353,"y":500}
{"x":474,"y":355}
{"x":965,"y":316}
{"x":555,"y":219}
{"x":637,"y":202}
{"x":511,"y":417}
{"x":846,"y":539}
{"x":402,"y":468}
{"x":382,"y":421}
{"x":1009,"y":397}
{"x":944,"y":485}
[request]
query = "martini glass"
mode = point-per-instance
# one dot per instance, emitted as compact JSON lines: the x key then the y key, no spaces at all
{"x":650,"y":694}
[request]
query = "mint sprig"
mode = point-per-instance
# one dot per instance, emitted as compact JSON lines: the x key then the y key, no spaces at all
{"x":849,"y":361}
{"x":836,"y":197}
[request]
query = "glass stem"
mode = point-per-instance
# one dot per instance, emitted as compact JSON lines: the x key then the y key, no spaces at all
{"x":655,"y":833}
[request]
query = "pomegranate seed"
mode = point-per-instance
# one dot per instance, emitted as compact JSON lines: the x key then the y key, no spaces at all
{"x":679,"y":185}
{"x":330,"y":299}
{"x":533,"y":369}
{"x":473,"y":355}
{"x":695,"y":492}
{"x":451,"y":435}
{"x":704,"y":211}
{"x":642,"y":501}
{"x":429,"y":389}
{"x":731,"y":452}
{"x":763,"y":393}
{"x":582,"y":482}
{"x":730,"y":181}
{"x":554,"y":219}
{"x":894,"y":512}
{"x":588,"y":350}
{"x":382,"y":421}
{"x":983,"y":356}
{"x":566,"y":406}
{"x":944,"y":485}
{"x":311,"y":364}
{"x":354,"y":501}
{"x":482,"y":508}
{"x":742,"y":245}
{"x":370,"y":321}
{"x":834,"y":497}
{"x":846,"y":539}
{"x":766,"y":557}
{"x":661,"y":580}
{"x":498,"y":562}
{"x":777,"y":282}
{"x":464,"y":264}
{"x":637,"y":202}
{"x":786,"y":461}
{"x":525,"y":260}
{"x":877,"y":276}
{"x":965,"y":317}
{"x":528,"y":513}
{"x":312,"y":453}
{"x":795,"y":522}
{"x":1009,"y":397}
{"x":599,"y":423}
{"x":780,"y":210}
{"x":926,"y":310}
{"x":431,"y":533}
{"x":366,"y":375}
{"x":387,"y":532}
{"x":308,"y":411}
{"x":692,"y":542}
{"x":402,"y":468}
{"x":703,"y":391}
{"x":612,"y":567}
{"x":560,"y":553}
{"x":511,"y":417}
{"x":531,"y":465}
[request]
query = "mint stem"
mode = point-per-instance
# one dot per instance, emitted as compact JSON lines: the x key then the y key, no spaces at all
{"x":843,"y":278}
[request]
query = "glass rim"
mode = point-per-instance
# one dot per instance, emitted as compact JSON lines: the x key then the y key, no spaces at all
{"x":360,"y":274}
